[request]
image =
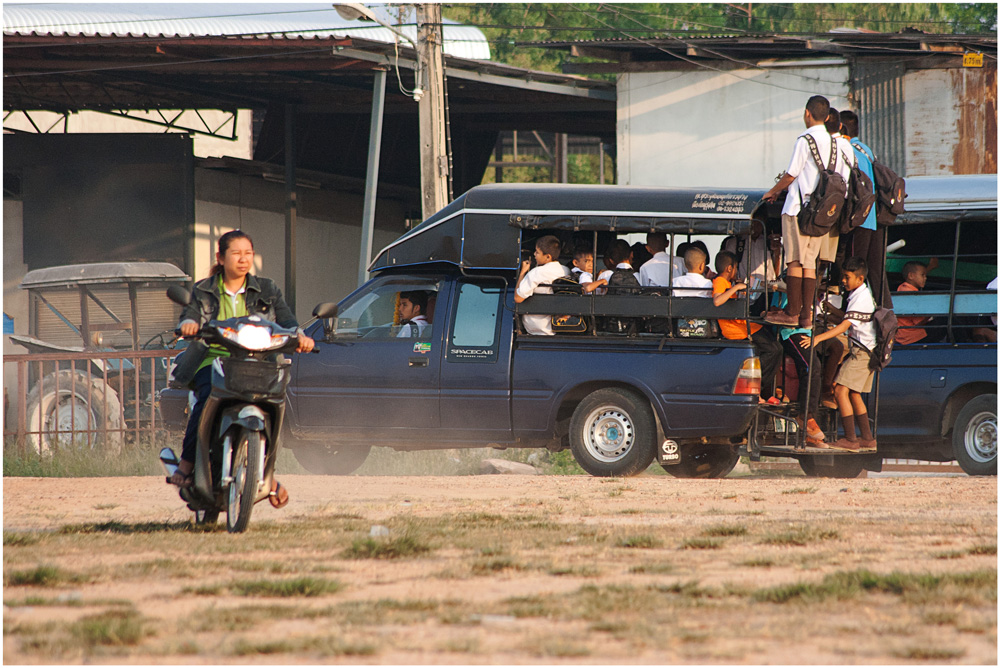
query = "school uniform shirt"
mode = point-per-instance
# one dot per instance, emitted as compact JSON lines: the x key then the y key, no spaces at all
{"x":862,"y":153}
{"x":860,"y":307}
{"x":905,"y":337}
{"x":581,"y":276}
{"x":406,"y":331}
{"x":804,"y":169}
{"x":692,"y":281}
{"x":532,"y":283}
{"x":657,"y":271}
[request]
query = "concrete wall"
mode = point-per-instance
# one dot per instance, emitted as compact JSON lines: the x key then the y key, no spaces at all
{"x":328,"y":232}
{"x":95,"y":122}
{"x":706,"y":128}
{"x":15,"y":300}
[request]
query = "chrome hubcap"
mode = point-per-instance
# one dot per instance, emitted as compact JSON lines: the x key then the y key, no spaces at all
{"x":610,"y":434}
{"x":981,"y":437}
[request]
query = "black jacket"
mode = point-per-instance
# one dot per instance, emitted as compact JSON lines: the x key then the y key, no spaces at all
{"x":262,"y":297}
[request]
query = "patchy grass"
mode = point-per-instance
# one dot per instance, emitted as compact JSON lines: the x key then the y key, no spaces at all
{"x":324,"y":646}
{"x":20,"y":539}
{"x":801,"y":490}
{"x":925,"y":653}
{"x":123,"y":628}
{"x":41,"y":576}
{"x":701,"y":544}
{"x":643,"y":541}
{"x":758,"y":562}
{"x":138,"y":459}
{"x":800,"y":536}
{"x":851,"y":584}
{"x":652,"y":569}
{"x":496,"y":565}
{"x":305,"y":586}
{"x":723,"y":530}
{"x":988,"y":550}
{"x":399,"y":547}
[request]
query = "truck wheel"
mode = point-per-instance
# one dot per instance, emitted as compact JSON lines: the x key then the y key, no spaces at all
{"x":705,"y":461}
{"x":844,"y":466}
{"x":613,"y":433}
{"x":974,"y":439}
{"x":79,"y":405}
{"x":323,"y":459}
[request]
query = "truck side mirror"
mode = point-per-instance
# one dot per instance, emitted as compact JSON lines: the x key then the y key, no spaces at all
{"x":327,"y":311}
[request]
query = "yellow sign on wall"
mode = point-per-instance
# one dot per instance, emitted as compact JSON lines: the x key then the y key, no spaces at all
{"x":972,"y":60}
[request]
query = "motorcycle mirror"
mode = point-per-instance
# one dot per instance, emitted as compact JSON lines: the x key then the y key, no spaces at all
{"x":325,"y":310}
{"x":178,"y":295}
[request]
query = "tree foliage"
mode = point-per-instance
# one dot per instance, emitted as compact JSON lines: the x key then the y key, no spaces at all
{"x":509,"y":25}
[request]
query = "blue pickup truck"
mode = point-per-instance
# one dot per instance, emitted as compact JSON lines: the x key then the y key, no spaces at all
{"x":666,"y":387}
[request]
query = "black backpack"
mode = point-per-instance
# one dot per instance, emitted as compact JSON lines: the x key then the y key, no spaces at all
{"x":622,"y":282}
{"x":567,"y":324}
{"x":860,"y":199}
{"x":826,"y":203}
{"x":890,"y":191}
{"x":885,"y":336}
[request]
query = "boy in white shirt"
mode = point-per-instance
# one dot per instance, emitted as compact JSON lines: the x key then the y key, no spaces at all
{"x":532,"y":281}
{"x":854,"y":375}
{"x":583,"y":270}
{"x":694,"y":261}
{"x":658,"y":269}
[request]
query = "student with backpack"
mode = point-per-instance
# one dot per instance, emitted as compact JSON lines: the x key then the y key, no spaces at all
{"x":855,"y":374}
{"x":802,"y":179}
{"x":867,"y":240}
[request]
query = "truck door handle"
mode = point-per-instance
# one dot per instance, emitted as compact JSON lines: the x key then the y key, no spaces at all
{"x":418,"y":361}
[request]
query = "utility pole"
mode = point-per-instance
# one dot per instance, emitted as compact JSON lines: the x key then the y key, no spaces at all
{"x":433,"y":148}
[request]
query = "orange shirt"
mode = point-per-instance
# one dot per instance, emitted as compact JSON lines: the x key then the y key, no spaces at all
{"x":731,"y":329}
{"x":908,"y":336}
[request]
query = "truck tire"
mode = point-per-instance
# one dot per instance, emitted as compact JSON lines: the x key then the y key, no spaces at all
{"x":705,"y":461}
{"x":77,"y":408}
{"x":323,"y":459}
{"x":974,"y":438}
{"x":844,"y":466}
{"x":613,"y":433}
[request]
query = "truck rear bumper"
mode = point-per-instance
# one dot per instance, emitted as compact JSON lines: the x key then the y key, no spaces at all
{"x":691,"y":417}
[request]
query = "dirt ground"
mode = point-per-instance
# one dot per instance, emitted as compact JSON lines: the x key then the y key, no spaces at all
{"x":507,"y":570}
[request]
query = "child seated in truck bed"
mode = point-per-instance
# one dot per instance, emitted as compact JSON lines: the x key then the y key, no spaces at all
{"x":532,"y":281}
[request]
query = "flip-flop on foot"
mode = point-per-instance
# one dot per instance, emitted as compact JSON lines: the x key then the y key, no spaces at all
{"x":278,"y":496}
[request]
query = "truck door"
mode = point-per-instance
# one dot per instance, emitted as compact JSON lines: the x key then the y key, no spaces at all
{"x":475,"y":385}
{"x":375,"y":375}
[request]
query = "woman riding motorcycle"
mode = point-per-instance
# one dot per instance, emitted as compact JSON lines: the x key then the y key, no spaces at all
{"x":230,"y":291}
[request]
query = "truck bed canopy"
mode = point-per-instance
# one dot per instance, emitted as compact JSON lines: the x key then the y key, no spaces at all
{"x":949,"y":198}
{"x":481,"y":229}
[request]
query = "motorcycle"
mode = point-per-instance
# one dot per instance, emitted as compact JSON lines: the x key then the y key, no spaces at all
{"x":240,"y":426}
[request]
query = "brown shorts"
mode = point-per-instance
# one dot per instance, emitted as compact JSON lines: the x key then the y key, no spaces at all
{"x":828,"y":248}
{"x":798,"y":247}
{"x":853,"y":372}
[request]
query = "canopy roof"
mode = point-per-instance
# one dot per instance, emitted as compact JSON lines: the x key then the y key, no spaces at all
{"x":959,"y":197}
{"x":481,"y":229}
{"x":72,"y":275}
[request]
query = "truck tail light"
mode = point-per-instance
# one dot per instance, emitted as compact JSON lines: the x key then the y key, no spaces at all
{"x":748,"y":379}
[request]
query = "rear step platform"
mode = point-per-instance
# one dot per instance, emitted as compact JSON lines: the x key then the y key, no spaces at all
{"x":790,"y":450}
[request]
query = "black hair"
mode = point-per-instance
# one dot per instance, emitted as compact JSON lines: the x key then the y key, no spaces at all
{"x":225,"y":241}
{"x":724,"y":260}
{"x":856,"y":265}
{"x":619,"y":251}
{"x":582,"y":251}
{"x":911,"y":266}
{"x":699,"y":244}
{"x":657,"y":240}
{"x":418,"y":298}
{"x":640,"y":254}
{"x":693,"y":256}
{"x":818,"y":107}
{"x":549,"y":245}
{"x":849,"y":123}
{"x":833,"y":121}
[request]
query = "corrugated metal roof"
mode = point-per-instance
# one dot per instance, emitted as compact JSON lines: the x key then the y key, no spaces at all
{"x":199,"y":20}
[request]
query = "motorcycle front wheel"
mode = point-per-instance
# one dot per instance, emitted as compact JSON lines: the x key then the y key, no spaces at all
{"x":246,"y":472}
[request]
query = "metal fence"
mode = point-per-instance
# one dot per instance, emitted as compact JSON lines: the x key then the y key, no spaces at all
{"x":92,"y":399}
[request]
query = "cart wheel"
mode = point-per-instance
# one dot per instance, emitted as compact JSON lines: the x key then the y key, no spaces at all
{"x":71,"y":409}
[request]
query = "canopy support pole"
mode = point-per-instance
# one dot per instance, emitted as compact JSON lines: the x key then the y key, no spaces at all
{"x":371,"y":177}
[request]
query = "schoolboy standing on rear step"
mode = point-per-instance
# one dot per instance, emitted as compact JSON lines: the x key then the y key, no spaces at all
{"x":801,"y":251}
{"x":532,"y":281}
{"x":854,"y":375}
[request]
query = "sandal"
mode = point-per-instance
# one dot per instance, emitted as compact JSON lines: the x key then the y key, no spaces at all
{"x":181,"y":480}
{"x":278,"y":496}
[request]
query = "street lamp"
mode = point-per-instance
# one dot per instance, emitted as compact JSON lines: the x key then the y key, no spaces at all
{"x":352,"y":11}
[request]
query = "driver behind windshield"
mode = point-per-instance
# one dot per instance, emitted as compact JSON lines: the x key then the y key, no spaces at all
{"x":230,"y":291}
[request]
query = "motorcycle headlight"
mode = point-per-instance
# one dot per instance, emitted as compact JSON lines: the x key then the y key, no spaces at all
{"x":252,"y":337}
